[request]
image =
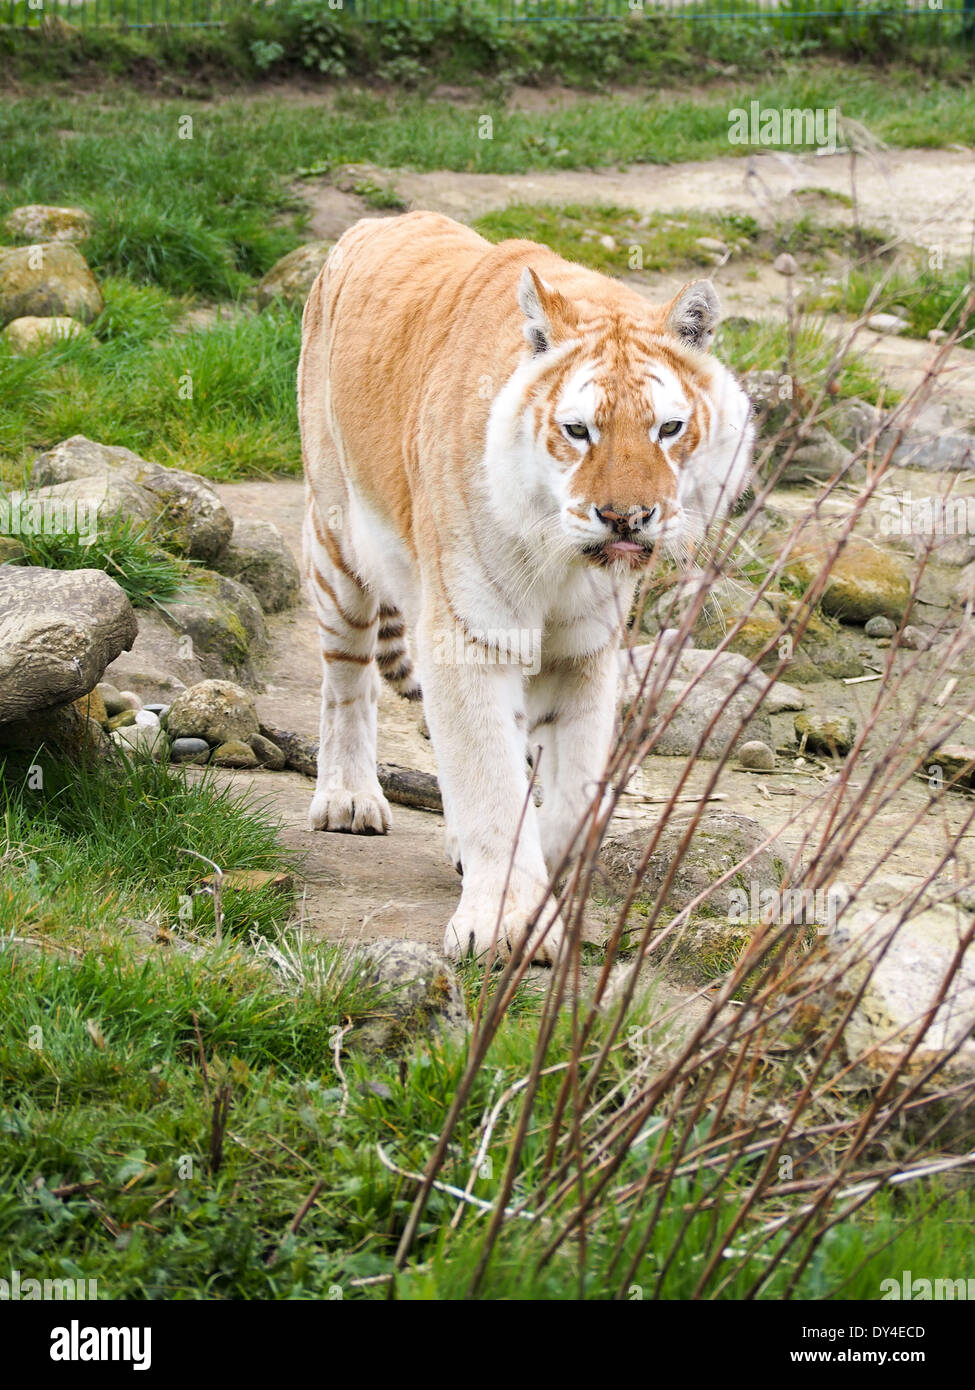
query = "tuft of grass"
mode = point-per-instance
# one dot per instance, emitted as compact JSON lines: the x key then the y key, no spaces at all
{"x":763,"y":344}
{"x":143,"y":570}
{"x":930,"y":298}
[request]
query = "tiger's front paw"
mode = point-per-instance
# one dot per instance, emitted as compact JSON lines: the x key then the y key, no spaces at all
{"x":363,"y":812}
{"x":475,"y":929}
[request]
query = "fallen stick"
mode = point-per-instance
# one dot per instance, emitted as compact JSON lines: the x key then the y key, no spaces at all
{"x":404,"y":785}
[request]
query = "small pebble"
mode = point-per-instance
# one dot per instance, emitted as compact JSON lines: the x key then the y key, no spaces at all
{"x":914,"y":639}
{"x":189,"y":750}
{"x":756,"y":756}
{"x":123,"y":720}
{"x":130,"y":700}
{"x":879,"y":626}
{"x":157,"y":710}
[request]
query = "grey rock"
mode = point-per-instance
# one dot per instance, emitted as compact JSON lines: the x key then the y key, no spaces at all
{"x":947,"y":450}
{"x":143,"y":741}
{"x":722,"y":840}
{"x":818,"y":457}
{"x":31,"y":334}
{"x":914,"y":639}
{"x":258,"y":556}
{"x":48,"y":280}
{"x":853,"y":422}
{"x":64,"y":729}
{"x":223,"y":620}
{"x":188,"y":516}
{"x":901,"y":967}
{"x":189,"y":750}
{"x":58,"y":632}
{"x":217,"y":711}
{"x":690,"y":701}
{"x":103,"y":496}
{"x":887,"y":323}
{"x":417,"y":995}
{"x":879,"y":626}
{"x":111,"y":697}
{"x":268,"y":754}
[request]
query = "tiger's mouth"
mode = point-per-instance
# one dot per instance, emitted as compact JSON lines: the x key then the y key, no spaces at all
{"x":616,"y":551}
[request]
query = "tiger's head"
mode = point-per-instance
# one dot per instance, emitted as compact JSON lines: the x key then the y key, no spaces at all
{"x":636,"y":434}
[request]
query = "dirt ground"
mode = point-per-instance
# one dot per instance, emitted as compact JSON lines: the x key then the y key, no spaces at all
{"x":401,"y":885}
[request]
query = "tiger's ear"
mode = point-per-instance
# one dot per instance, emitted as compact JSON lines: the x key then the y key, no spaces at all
{"x":548,"y":314}
{"x":693,"y":314}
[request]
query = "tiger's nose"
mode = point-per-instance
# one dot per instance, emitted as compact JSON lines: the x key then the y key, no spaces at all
{"x":621,"y":523}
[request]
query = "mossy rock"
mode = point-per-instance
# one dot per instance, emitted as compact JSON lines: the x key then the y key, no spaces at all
{"x":864,"y":579}
{"x":822,"y":653}
{"x":223,"y":619}
{"x":36,"y":222}
{"x":290,"y":279}
{"x":47,"y":280}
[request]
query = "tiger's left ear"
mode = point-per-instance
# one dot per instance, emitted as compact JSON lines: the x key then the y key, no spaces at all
{"x":548,"y":314}
{"x":693,"y":314}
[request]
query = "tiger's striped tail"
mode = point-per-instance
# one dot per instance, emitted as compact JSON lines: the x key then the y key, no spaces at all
{"x":393,"y":654}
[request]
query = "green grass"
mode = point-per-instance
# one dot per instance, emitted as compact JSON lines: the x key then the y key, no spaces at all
{"x":663,"y":242}
{"x":144,"y":571}
{"x":764,"y":345}
{"x":930,"y":298}
{"x":238,"y":418}
{"x":114,"y":1048}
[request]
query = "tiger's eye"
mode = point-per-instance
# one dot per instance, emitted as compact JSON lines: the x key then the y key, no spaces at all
{"x":576,"y":431}
{"x":670,"y":428}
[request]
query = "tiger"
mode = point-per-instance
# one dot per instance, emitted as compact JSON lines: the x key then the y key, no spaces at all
{"x":497,"y":442}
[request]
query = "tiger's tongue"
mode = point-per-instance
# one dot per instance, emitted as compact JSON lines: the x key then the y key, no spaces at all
{"x":623,"y":547}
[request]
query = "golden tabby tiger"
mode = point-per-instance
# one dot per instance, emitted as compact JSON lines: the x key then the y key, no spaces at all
{"x":495,"y":442}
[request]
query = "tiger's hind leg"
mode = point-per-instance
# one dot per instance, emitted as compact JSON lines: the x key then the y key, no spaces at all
{"x":348,"y":796}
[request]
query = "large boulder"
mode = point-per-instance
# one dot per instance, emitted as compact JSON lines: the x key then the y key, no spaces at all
{"x":188,"y":516}
{"x":40,"y":222}
{"x":721,"y":841}
{"x":908,"y":960}
{"x":110,"y":495}
{"x":63,"y":729}
{"x":290,"y":279}
{"x":864,"y":579}
{"x":58,"y":632}
{"x":48,"y":279}
{"x":258,"y":556}
{"x":224,"y":624}
{"x":764,"y":625}
{"x":692,"y":699}
{"x":218,"y":711}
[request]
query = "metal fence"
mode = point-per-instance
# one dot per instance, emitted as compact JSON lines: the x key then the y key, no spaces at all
{"x":933,"y":20}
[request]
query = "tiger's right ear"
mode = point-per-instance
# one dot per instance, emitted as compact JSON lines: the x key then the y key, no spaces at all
{"x":548,"y":314}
